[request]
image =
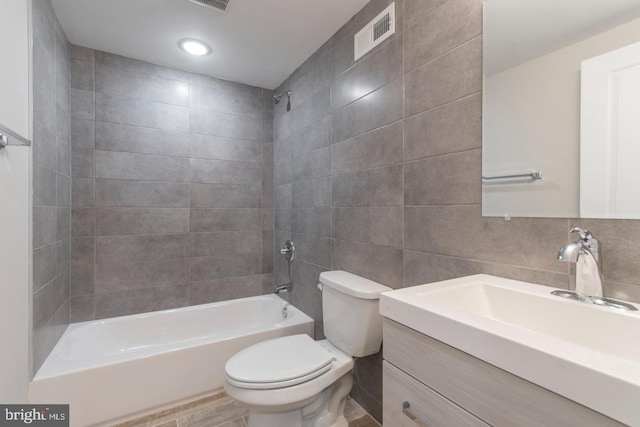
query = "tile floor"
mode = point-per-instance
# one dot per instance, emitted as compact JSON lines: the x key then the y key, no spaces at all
{"x":220,"y":410}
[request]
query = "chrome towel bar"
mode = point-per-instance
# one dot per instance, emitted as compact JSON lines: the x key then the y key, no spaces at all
{"x":533,"y":175}
{"x":9,"y":137}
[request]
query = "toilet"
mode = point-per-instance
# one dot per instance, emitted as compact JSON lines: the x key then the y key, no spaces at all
{"x":294,"y":381}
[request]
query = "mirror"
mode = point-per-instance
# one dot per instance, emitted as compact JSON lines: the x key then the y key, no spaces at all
{"x":533,"y":89}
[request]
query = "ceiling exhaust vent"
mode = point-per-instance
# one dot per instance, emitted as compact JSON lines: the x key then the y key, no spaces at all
{"x":220,"y":5}
{"x":375,"y":32}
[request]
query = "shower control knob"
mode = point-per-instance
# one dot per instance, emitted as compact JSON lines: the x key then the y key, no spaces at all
{"x":288,"y":250}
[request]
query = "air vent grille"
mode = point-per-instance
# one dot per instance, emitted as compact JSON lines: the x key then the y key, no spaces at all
{"x":381,"y":27}
{"x":215,"y":4}
{"x":375,"y":32}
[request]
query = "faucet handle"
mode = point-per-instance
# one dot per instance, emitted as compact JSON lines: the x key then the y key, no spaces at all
{"x":288,"y":250}
{"x":587,"y":240}
{"x":585,"y":235}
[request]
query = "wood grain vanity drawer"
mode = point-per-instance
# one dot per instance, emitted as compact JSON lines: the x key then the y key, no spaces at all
{"x":427,"y":405}
{"x":491,"y":394}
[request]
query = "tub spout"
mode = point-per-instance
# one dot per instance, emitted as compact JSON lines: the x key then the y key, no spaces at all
{"x":287,"y":287}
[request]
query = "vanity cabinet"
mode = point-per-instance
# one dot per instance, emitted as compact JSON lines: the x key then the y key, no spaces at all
{"x":425,"y":404}
{"x":446,"y":387}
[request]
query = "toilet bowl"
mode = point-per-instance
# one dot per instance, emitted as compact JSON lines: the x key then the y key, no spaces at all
{"x":295,"y":381}
{"x":315,"y":367}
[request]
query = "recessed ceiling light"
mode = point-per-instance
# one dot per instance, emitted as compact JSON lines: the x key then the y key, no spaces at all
{"x":194,"y":47}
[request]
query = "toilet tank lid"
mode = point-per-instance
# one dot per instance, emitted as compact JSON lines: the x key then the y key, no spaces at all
{"x":352,"y":284}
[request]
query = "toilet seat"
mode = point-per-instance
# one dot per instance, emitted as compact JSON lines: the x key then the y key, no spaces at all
{"x":278,"y":363}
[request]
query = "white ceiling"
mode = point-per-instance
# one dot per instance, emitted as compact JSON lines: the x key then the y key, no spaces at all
{"x":516,"y":31}
{"x":258,"y":42}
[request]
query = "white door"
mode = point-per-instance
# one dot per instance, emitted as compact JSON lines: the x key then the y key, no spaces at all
{"x":14,"y":204}
{"x":610,"y":135}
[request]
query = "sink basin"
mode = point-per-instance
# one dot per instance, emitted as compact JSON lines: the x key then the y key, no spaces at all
{"x":587,"y":353}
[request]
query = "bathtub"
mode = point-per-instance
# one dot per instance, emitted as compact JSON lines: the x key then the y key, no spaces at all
{"x":114,"y":369}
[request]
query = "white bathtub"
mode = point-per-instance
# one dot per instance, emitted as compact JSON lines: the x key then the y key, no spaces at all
{"x":113,"y":369}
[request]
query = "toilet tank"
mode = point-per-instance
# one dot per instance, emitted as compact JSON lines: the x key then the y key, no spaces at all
{"x":350,"y":311}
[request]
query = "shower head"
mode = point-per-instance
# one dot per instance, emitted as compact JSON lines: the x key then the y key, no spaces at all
{"x":277,"y":98}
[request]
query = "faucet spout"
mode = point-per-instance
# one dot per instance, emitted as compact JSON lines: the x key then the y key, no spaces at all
{"x":569,"y":253}
{"x":287,"y":287}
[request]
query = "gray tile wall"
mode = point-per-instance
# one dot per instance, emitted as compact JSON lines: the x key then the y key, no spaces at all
{"x":51,"y":181}
{"x":378,"y":171}
{"x":172,"y":187}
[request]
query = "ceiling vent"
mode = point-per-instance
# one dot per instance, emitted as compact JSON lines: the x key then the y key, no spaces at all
{"x":375,"y":32}
{"x":220,"y":5}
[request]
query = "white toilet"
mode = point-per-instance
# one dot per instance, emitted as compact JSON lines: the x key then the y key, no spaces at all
{"x":295,"y":381}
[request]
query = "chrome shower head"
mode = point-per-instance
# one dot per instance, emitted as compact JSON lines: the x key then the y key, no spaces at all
{"x":277,"y":98}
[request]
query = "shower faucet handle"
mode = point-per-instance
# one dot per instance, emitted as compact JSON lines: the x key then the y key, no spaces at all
{"x":288,"y":250}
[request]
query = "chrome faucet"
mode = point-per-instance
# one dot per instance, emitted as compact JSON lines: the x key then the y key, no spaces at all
{"x":587,"y":247}
{"x":288,"y":251}
{"x":585,"y":244}
{"x":287,"y":287}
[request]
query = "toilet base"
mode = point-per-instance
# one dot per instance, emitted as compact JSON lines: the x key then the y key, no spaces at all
{"x":325,"y":410}
{"x":281,"y":419}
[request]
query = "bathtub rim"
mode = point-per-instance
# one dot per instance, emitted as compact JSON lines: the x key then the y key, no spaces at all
{"x":43,"y":373}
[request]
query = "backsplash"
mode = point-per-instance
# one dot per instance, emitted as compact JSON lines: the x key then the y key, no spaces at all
{"x":51,"y":181}
{"x":378,"y":165}
{"x":172,"y":187}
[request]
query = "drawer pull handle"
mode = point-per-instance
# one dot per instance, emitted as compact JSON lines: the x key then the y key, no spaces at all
{"x":408,"y":413}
